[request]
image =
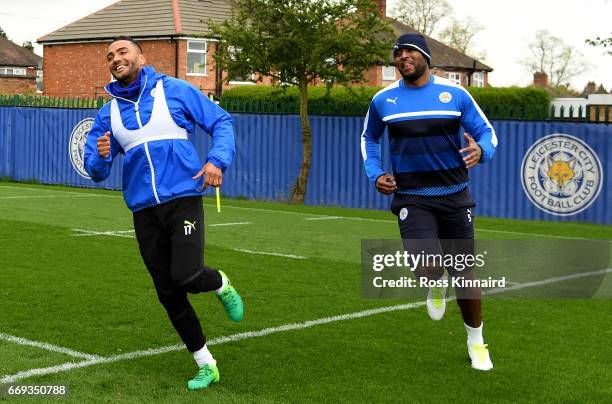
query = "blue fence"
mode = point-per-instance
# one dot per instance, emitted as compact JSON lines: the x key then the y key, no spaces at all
{"x":542,"y":170}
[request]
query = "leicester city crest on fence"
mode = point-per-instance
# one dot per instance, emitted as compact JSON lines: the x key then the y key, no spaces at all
{"x":561,"y":174}
{"x":76,"y":145}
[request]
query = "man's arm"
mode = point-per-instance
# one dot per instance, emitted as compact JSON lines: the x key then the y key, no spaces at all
{"x":478,"y":126}
{"x":97,"y":166}
{"x":215,"y":121}
{"x":218,"y":123}
{"x":373,"y":129}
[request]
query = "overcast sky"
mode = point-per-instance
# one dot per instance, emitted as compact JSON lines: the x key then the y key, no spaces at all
{"x":508,"y":27}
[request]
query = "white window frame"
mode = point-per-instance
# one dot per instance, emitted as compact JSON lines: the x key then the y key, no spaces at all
{"x":198,"y":51}
{"x":39,"y":81}
{"x":15,"y":71}
{"x":250,"y":82}
{"x":455,"y":77}
{"x":478,"y":79}
{"x":387,"y":69}
{"x":243,"y":83}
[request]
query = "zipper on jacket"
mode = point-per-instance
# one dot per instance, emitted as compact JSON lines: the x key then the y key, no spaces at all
{"x":146,"y":145}
{"x":137,"y":110}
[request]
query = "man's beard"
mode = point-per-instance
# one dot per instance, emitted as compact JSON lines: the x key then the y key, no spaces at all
{"x":419,"y":70}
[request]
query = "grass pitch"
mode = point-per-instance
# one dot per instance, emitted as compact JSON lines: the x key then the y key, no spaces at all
{"x":71,"y":277}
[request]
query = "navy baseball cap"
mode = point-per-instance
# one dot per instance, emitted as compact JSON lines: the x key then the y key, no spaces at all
{"x":413,"y":41}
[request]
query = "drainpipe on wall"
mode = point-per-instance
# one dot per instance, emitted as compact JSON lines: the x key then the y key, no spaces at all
{"x":176,"y":57}
{"x":469,"y":83}
{"x":218,"y":74}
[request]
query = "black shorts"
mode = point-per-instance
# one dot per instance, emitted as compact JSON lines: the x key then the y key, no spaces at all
{"x":447,"y":218}
{"x":439,"y":217}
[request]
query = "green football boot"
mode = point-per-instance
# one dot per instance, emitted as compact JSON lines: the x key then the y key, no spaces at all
{"x":207,"y":375}
{"x":231,"y":300}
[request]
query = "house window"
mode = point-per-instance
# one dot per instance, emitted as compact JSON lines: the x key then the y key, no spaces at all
{"x":239,"y":79}
{"x":196,"y":58}
{"x":39,"y":81}
{"x":455,"y":77}
{"x":388,"y":73}
{"x":478,"y":79}
{"x":12,"y":71}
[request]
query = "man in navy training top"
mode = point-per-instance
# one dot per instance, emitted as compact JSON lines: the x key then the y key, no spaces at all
{"x":148,"y":121}
{"x":424,"y":115}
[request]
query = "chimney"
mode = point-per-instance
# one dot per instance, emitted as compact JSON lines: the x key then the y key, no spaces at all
{"x":382,"y":7}
{"x":591,"y":87}
{"x":540,"y":79}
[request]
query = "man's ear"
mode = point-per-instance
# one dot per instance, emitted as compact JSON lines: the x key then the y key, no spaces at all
{"x":142,"y":60}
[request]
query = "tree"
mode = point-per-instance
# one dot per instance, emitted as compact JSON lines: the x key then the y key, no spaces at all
{"x":302,"y":42}
{"x":459,"y":34}
{"x":552,"y":56}
{"x":422,"y":15}
{"x":601,"y":90}
{"x":603,"y":42}
{"x":3,"y":34}
{"x":28,"y":45}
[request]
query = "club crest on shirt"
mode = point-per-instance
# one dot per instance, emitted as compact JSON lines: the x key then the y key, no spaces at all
{"x":403,"y":214}
{"x":445,"y":97}
{"x":76,"y":146}
{"x":561,"y":174}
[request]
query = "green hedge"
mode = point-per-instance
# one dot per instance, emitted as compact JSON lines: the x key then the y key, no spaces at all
{"x":20,"y":100}
{"x":497,"y":103}
{"x":513,"y":102}
{"x":285,"y":100}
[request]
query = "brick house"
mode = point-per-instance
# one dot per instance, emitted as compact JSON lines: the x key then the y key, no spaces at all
{"x":176,"y":40}
{"x":172,"y":34}
{"x":18,"y":68}
{"x":445,"y":61}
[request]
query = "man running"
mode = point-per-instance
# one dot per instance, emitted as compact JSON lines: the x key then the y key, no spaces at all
{"x":424,"y":115}
{"x":163,"y":180}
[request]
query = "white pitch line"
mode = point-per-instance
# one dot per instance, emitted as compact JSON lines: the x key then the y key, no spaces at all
{"x":315,"y":216}
{"x":61,"y":191}
{"x":119,"y":233}
{"x":215,"y":341}
{"x":272,"y":330}
{"x":548,"y":281}
{"x":244,"y":250}
{"x":312,"y":215}
{"x":43,"y":196}
{"x":48,"y":347}
{"x":228,"y":224}
{"x":323,"y":217}
{"x":532,"y":234}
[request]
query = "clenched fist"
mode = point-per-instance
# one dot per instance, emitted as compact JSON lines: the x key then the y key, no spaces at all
{"x":104,"y":145}
{"x":385,"y":184}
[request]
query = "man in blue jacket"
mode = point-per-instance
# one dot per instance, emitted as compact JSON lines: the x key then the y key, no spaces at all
{"x":163,"y":179}
{"x":423,"y":115}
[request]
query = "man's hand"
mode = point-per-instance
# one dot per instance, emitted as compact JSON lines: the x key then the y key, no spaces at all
{"x":212,"y":175}
{"x":386,"y":184}
{"x":104,"y":145}
{"x":474,"y":152}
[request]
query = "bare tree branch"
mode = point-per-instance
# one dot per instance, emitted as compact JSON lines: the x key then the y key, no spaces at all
{"x":459,"y":34}
{"x":422,"y":15}
{"x":550,"y":55}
